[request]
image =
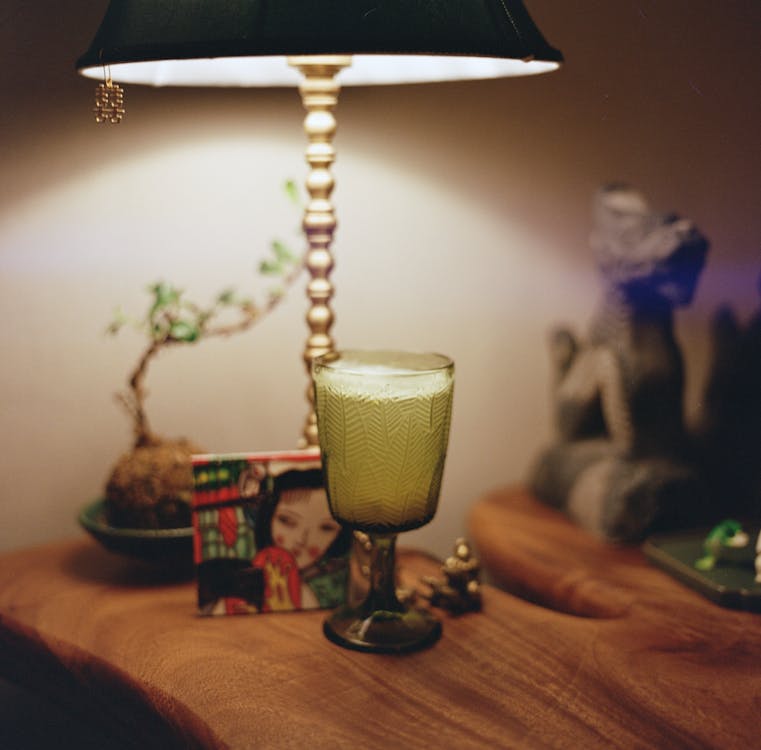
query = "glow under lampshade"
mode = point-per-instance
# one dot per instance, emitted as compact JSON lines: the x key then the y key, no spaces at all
{"x":245,"y":42}
{"x":319,"y":46}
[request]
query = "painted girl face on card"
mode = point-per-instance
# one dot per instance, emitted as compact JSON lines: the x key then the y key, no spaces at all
{"x":302,"y":524}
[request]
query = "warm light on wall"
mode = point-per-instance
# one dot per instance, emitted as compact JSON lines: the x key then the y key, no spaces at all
{"x":318,"y":47}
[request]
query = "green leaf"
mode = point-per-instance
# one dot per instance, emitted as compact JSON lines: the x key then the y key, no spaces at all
{"x":270,"y":267}
{"x":226,"y":297}
{"x":292,"y":192}
{"x":118,"y":322}
{"x":181,"y":330}
{"x":282,"y":253}
{"x":164,"y":296}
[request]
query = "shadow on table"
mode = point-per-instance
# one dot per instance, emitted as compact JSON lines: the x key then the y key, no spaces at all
{"x":89,"y":562}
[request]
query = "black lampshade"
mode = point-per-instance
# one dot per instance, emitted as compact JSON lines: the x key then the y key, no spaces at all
{"x":481,"y":38}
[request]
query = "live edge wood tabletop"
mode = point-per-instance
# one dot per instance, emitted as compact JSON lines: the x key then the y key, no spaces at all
{"x":593,"y":648}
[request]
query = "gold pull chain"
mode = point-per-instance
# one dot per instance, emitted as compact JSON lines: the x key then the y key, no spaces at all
{"x":109,"y":100}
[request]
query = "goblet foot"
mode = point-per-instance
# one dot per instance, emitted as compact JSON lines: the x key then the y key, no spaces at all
{"x":382,"y":631}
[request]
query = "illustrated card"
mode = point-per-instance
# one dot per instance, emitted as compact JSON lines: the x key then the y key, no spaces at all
{"x":264,"y":538}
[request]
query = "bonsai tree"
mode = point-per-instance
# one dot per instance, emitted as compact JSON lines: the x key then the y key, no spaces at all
{"x":151,"y":485}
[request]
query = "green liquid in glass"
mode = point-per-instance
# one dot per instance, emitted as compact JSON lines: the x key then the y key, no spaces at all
{"x":384,"y":428}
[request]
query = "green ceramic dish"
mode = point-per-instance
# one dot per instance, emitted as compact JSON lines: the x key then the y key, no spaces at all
{"x":163,"y":546}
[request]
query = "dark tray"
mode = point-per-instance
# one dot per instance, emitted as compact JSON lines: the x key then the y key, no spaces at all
{"x":731,"y":585}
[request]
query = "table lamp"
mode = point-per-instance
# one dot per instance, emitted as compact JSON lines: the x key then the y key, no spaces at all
{"x":317,"y":46}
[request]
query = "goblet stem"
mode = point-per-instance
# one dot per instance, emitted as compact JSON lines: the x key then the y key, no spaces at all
{"x":382,"y":623}
{"x":382,"y":594}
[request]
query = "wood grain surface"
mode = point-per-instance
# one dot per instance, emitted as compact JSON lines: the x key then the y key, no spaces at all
{"x":681,"y":670}
{"x":615,"y":654}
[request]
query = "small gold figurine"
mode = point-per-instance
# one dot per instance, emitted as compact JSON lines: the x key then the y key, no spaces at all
{"x":109,"y":102}
{"x":460,"y":589}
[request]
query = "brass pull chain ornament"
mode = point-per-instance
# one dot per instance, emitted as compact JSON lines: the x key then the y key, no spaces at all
{"x":109,"y":102}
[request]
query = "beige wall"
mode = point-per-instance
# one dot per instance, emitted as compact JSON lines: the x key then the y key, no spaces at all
{"x":463,"y":210}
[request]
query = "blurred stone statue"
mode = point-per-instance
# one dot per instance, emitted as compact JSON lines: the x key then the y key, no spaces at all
{"x":622,"y":464}
{"x":729,"y":432}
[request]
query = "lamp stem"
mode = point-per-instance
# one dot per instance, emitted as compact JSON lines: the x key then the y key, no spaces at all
{"x":319,"y":94}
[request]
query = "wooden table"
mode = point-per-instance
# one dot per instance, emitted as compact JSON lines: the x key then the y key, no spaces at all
{"x":660,"y":660}
{"x":616,"y":655}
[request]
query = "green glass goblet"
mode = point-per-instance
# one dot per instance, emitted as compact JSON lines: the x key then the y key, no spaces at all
{"x":383,"y":422}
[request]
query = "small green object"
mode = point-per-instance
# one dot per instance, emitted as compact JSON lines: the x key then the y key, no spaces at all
{"x":727,"y":535}
{"x":708,"y":562}
{"x":728,"y":585}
